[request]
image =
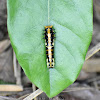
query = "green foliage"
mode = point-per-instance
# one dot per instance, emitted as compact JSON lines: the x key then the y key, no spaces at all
{"x":72,"y":20}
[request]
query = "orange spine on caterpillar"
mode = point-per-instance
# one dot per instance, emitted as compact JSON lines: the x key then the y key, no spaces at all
{"x":49,"y":43}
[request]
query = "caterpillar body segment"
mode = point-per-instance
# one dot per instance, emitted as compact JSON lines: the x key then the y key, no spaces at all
{"x":49,"y":44}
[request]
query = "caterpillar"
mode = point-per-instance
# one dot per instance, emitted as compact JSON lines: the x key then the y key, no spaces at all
{"x":49,"y":44}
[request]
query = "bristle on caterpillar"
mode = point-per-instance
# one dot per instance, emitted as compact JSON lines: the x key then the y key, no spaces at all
{"x":49,"y":43}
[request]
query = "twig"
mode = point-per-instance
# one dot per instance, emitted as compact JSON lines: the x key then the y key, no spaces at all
{"x":34,"y":89}
{"x":33,"y":95}
{"x":14,"y":64}
{"x":17,"y":70}
{"x":71,"y":89}
{"x":22,"y":97}
{"x":4,"y":45}
{"x":96,"y":85}
{"x":94,"y":50}
{"x":18,"y":77}
{"x":6,"y":98}
{"x":11,"y":88}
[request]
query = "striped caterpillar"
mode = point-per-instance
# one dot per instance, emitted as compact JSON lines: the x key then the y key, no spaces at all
{"x":49,"y":43}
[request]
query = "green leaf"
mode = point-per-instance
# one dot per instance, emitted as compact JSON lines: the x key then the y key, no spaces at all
{"x":72,"y":20}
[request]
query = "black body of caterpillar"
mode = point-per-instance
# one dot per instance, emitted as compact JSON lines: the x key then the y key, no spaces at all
{"x":49,"y":43}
